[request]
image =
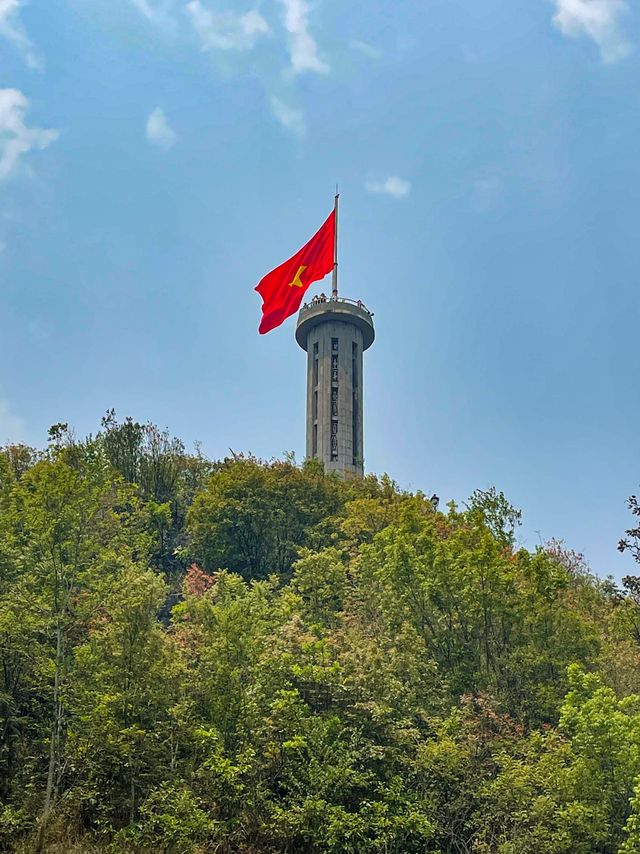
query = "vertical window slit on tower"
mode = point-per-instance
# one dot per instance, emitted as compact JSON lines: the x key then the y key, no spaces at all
{"x":314,"y":444}
{"x":334,"y":440}
{"x":334,"y":398}
{"x":355,"y":420}
{"x":315,"y":364}
{"x":354,"y":428}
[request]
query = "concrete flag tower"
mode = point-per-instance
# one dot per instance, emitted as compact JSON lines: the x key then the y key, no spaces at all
{"x":335,"y":333}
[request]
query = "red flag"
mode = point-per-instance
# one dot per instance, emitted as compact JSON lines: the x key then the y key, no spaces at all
{"x":283,"y":288}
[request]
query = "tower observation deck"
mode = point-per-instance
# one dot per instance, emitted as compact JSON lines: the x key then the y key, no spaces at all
{"x":335,"y":333}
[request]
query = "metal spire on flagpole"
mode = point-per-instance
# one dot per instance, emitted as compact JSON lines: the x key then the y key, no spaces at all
{"x":334,"y":291}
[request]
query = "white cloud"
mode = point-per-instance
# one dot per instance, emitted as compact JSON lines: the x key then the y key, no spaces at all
{"x":303,"y":50}
{"x":226,"y":30}
{"x":16,"y":139}
{"x":11,"y":28}
{"x":159,"y":131}
{"x":597,"y":19}
{"x":365,"y":48}
{"x":391,"y":186}
{"x":289,"y":117}
{"x":156,"y":11}
{"x":11,"y":426}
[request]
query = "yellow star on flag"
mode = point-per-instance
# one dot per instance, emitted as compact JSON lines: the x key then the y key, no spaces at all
{"x":297,"y":281}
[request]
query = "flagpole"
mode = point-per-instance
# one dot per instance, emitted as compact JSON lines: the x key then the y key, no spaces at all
{"x":334,"y":291}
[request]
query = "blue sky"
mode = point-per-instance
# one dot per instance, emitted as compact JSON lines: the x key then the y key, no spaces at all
{"x":157,"y":157}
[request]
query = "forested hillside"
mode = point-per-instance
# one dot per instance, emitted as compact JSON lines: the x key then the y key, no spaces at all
{"x":240,"y":656}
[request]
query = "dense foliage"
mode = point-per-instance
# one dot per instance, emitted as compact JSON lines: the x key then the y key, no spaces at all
{"x":242,"y":656}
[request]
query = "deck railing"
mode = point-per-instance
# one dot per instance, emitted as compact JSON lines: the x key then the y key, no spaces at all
{"x":318,"y":301}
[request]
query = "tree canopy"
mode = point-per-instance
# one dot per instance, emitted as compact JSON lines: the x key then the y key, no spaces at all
{"x":249,"y":656}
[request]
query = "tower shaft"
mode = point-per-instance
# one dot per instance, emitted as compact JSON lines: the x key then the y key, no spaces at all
{"x":335,"y":334}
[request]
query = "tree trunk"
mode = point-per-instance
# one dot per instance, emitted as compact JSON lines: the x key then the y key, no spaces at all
{"x":54,"y":742}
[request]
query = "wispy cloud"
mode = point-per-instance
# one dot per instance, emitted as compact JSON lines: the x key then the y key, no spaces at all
{"x":16,"y":139}
{"x":303,"y":50}
{"x":391,"y":186}
{"x":157,"y":11}
{"x":289,"y":117}
{"x":159,"y":131}
{"x":219,"y":29}
{"x":365,"y":48}
{"x":597,"y":19}
{"x":11,"y":426}
{"x":11,"y":28}
{"x":226,"y":30}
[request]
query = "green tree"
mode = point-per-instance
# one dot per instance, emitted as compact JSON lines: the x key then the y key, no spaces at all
{"x":344,"y":669}
{"x":61,"y":533}
{"x":252,"y":518}
{"x":122,"y":689}
{"x":167,"y":477}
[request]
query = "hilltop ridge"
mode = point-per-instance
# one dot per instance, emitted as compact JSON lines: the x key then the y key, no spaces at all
{"x":250,"y":656}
